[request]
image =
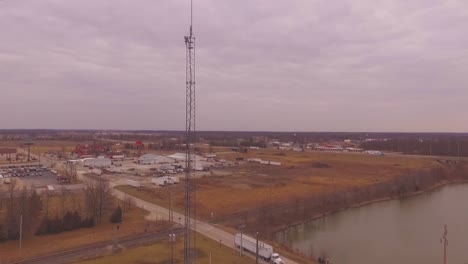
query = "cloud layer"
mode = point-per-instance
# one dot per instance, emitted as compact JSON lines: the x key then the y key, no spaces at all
{"x":309,"y":65}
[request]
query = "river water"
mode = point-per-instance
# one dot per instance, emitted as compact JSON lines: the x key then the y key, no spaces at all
{"x":398,"y":231}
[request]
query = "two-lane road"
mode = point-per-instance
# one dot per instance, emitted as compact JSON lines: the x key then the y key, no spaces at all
{"x":204,"y":228}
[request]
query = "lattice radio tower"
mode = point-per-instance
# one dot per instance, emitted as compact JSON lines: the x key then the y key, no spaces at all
{"x":189,"y":237}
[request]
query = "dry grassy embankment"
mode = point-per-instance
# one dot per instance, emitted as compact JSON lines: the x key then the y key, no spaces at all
{"x":160,"y":253}
{"x":133,"y":223}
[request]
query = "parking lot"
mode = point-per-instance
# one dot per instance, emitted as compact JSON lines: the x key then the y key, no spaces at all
{"x":35,"y":174}
{"x":45,"y":178}
{"x":23,"y":170}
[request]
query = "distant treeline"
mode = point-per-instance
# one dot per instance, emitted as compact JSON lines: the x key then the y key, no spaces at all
{"x":238,"y":143}
{"x":219,"y":136}
{"x":440,"y":147}
{"x":161,"y":145}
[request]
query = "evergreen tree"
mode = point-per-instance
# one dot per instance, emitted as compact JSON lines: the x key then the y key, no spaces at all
{"x":116,"y":216}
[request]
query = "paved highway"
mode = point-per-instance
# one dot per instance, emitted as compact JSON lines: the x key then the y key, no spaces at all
{"x":203,"y":228}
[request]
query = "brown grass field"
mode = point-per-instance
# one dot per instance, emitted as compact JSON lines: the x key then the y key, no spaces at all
{"x":41,"y":146}
{"x":133,"y":223}
{"x":251,"y":185}
{"x":160,"y":253}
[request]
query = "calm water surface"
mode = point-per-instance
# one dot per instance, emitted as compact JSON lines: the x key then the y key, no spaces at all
{"x":399,"y":231}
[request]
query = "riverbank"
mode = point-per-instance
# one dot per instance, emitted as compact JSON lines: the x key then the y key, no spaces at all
{"x":370,"y":202}
{"x":319,"y":216}
{"x":270,"y":219}
{"x":394,"y":231}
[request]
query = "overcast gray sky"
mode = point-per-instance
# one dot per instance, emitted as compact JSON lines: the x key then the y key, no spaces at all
{"x":292,"y":65}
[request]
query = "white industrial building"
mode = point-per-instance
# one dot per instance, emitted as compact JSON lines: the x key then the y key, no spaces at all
{"x":76,"y":162}
{"x":265,"y":162}
{"x":151,"y":159}
{"x":99,"y":162}
{"x":181,"y":157}
{"x":117,"y":157}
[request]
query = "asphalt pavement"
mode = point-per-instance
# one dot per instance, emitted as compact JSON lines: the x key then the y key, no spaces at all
{"x":204,"y":228}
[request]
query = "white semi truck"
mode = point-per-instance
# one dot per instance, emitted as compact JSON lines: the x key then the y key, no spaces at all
{"x":50,"y":189}
{"x":133,"y":183}
{"x":265,"y":251}
{"x":165,"y":180}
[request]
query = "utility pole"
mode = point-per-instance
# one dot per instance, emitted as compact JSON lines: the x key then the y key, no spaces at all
{"x":430,"y":148}
{"x":21,"y":232}
{"x":190,"y":139}
{"x":444,"y":241}
{"x":116,"y":237}
{"x":241,"y":248}
{"x":171,"y":216}
{"x":256,"y":250}
{"x":172,"y":239}
{"x":28,"y":144}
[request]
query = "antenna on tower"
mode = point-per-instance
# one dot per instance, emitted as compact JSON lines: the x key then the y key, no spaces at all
{"x":189,"y":224}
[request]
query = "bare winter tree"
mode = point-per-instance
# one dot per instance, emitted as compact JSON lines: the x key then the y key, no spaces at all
{"x":128,"y":203}
{"x":70,"y":172}
{"x":10,"y":215}
{"x":29,"y":207}
{"x":64,"y":193}
{"x":98,"y":196}
{"x":75,"y":203}
{"x":24,"y":203}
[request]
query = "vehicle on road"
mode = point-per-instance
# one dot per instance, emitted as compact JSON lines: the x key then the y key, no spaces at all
{"x":133,"y":183}
{"x":62,"y":179}
{"x":165,"y":180}
{"x":265,"y":250}
{"x":50,"y":189}
{"x":375,"y":153}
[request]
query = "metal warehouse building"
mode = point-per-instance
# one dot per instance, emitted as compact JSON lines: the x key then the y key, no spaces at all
{"x":97,"y":162}
{"x":150,"y":159}
{"x":181,"y":157}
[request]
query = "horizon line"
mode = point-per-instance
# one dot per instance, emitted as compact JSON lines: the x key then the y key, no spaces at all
{"x":238,"y":131}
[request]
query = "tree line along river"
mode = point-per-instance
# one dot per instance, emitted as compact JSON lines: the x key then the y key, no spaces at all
{"x":397,"y":231}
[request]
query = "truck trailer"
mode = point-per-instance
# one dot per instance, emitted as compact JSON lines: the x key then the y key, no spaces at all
{"x":174,"y":180}
{"x":50,"y":189}
{"x":133,"y":183}
{"x":165,"y":180}
{"x":265,"y":251}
